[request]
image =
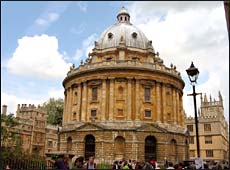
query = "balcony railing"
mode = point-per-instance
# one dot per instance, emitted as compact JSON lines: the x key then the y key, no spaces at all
{"x":124,"y":64}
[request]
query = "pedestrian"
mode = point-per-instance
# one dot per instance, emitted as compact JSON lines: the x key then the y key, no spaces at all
{"x":78,"y":164}
{"x":61,"y":164}
{"x":125,"y":165}
{"x":170,"y":165}
{"x":7,"y":167}
{"x":90,"y":164}
{"x":134,"y":164}
{"x":165,"y":163}
{"x":115,"y":165}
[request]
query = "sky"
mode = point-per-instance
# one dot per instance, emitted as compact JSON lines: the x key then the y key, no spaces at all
{"x":40,"y":40}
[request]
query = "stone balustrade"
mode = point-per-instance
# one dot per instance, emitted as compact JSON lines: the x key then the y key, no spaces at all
{"x":124,"y":64}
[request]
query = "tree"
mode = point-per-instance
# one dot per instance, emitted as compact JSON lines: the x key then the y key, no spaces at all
{"x":54,"y":109}
{"x":10,"y":137}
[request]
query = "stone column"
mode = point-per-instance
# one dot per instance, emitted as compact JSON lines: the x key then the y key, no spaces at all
{"x":71,"y":104}
{"x":103,"y":102}
{"x":177,"y":107}
{"x":158,"y":102}
{"x":111,"y":98}
{"x":84,"y":102}
{"x":79,"y":101}
{"x":174,"y":105}
{"x":64,"y":110}
{"x":164,"y":103}
{"x":129,"y":99}
{"x":137,"y":93}
{"x":68,"y":105}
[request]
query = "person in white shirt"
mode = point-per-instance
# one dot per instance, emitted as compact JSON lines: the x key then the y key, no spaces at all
{"x":170,"y":166}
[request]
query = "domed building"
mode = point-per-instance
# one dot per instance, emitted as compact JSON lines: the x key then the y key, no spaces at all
{"x":123,"y":102}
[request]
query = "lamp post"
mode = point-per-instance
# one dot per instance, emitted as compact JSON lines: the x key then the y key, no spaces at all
{"x":193,"y":73}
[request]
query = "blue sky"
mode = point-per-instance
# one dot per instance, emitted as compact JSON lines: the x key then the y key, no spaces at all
{"x":40,"y":40}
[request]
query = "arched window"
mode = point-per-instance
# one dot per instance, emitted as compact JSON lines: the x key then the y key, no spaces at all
{"x":147,"y":94}
{"x":94,"y":93}
{"x":89,"y":146}
{"x":69,"y":144}
{"x":119,"y":148}
{"x":120,"y":92}
{"x":74,"y":115}
{"x":75,"y":98}
{"x":150,"y":148}
{"x":173,"y":151}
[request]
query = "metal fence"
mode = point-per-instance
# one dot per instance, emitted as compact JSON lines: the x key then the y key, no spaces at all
{"x":21,"y":164}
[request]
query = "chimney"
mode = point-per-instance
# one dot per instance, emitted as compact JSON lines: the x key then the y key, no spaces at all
{"x":4,"y":109}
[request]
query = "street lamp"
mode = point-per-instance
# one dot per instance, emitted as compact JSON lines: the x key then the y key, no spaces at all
{"x":193,"y":73}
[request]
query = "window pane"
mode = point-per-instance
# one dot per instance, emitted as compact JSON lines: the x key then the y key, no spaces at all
{"x":190,"y":128}
{"x":147,"y":94}
{"x":147,"y":113}
{"x":209,"y":153}
{"x":208,"y":139}
{"x":94,"y":93}
{"x":191,"y":139}
{"x":93,"y":113}
{"x":207,"y":127}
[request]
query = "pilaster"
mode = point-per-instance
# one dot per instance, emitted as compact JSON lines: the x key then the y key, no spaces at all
{"x":111,"y":98}
{"x":158,"y":102}
{"x":164,"y":103}
{"x":84,"y":102}
{"x":137,"y":93}
{"x":129,"y":99}
{"x":103,"y":102}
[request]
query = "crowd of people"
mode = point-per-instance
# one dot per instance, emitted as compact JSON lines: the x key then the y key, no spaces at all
{"x":79,"y":163}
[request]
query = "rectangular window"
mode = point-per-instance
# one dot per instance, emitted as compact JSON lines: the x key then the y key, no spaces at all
{"x":191,"y":140}
{"x":208,"y":139}
{"x":190,"y":128}
{"x":50,"y":144}
{"x":207,"y":127}
{"x":192,"y":153}
{"x":209,"y":153}
{"x":94,"y":93}
{"x":135,"y":59}
{"x":109,"y":59}
{"x":147,"y":113}
{"x":147,"y":94}
{"x":93,"y":113}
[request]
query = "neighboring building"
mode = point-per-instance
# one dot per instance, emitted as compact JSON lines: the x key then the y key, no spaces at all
{"x":123,"y":102}
{"x":213,"y":130}
{"x":35,"y":135}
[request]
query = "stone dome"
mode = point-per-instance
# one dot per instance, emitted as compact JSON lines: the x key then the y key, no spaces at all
{"x":123,"y":32}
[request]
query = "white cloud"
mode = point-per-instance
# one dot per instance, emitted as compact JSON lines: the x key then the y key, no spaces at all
{"x":189,"y":31}
{"x":12,"y":101}
{"x":53,"y":17}
{"x":80,"y":29}
{"x":78,"y":54}
{"x":87,"y":46}
{"x":82,"y":5}
{"x":38,"y":56}
{"x":40,"y":22}
{"x":53,"y":93}
{"x":47,"y":19}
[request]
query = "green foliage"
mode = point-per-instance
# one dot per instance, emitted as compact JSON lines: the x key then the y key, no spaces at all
{"x":8,"y":134}
{"x":10,"y":137}
{"x":103,"y":166}
{"x":54,"y":109}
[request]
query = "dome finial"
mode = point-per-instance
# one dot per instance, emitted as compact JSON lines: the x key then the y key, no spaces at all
{"x":123,"y":15}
